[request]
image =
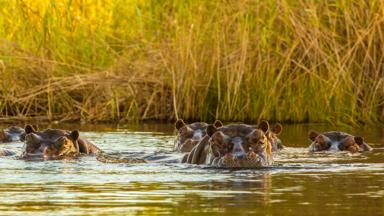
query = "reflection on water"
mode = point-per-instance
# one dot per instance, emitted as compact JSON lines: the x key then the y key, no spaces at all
{"x":300,"y":183}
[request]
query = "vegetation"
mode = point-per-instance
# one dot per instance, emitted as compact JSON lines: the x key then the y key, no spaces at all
{"x":243,"y":60}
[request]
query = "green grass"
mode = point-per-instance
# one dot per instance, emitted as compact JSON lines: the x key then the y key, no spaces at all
{"x":290,"y":61}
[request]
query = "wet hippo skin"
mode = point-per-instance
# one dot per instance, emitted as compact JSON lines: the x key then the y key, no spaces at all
{"x":12,"y":134}
{"x":235,"y":145}
{"x":189,"y":135}
{"x":336,"y":141}
{"x":56,"y":143}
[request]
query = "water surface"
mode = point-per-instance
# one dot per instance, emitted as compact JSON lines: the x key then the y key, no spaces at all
{"x":300,"y":183}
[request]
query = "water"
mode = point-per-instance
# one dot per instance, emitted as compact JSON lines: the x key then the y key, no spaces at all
{"x":301,"y":183}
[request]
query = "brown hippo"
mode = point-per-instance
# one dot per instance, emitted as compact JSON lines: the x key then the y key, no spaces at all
{"x":12,"y":134}
{"x":235,"y":145}
{"x":336,"y":141}
{"x":56,"y":144}
{"x":188,"y":135}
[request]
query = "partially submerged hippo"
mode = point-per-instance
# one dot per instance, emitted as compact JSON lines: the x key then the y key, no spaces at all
{"x":188,"y":135}
{"x":56,"y":144}
{"x":236,"y":145}
{"x":12,"y":134}
{"x":336,"y":141}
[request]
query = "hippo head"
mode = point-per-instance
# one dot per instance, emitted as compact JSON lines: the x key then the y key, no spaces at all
{"x":273,"y":138}
{"x":336,"y":141}
{"x":50,"y":143}
{"x":188,"y":135}
{"x":12,"y":134}
{"x":239,"y":146}
{"x":320,"y":142}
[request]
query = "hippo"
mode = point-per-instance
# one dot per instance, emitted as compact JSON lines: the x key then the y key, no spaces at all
{"x":336,"y":141}
{"x":12,"y":134}
{"x":233,"y":146}
{"x":56,"y":144}
{"x":188,"y":135}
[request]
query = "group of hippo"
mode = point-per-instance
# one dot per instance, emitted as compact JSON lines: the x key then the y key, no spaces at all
{"x":242,"y":145}
{"x":218,"y":145}
{"x":51,"y":144}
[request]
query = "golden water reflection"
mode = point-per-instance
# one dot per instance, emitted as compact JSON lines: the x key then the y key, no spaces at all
{"x":300,"y":184}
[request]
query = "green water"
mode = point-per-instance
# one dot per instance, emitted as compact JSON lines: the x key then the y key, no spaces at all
{"x":300,"y":183}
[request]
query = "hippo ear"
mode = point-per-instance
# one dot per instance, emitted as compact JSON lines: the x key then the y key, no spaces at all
{"x":179,"y":124}
{"x":211,"y":129}
{"x":263,"y":125}
{"x":277,"y":128}
{"x":74,"y":135}
{"x":359,"y":140}
{"x":218,"y":123}
{"x":313,"y":134}
{"x":29,"y":129}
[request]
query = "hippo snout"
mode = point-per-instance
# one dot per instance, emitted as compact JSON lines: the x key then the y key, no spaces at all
{"x":197,"y":135}
{"x":238,"y":150}
{"x":238,"y":153}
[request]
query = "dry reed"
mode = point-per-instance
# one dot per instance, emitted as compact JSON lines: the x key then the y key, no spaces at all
{"x":245,"y":60}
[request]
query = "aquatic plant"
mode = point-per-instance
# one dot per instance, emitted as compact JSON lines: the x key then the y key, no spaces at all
{"x":245,"y":60}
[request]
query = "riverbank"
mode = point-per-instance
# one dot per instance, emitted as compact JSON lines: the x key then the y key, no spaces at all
{"x":235,"y":61}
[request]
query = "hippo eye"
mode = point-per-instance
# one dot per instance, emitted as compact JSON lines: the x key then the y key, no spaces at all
{"x":33,"y":144}
{"x":220,"y":142}
{"x":60,"y":142}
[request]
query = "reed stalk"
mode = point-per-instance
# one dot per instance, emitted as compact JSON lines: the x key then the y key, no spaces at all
{"x":244,"y":60}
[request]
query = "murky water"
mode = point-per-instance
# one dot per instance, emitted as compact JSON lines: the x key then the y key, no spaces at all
{"x":300,"y":183}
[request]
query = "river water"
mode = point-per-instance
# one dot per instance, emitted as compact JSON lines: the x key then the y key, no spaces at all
{"x":300,"y":183}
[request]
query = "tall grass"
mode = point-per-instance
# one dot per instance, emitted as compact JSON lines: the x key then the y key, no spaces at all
{"x":244,"y":60}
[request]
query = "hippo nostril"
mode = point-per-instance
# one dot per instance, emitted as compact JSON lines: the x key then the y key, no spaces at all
{"x":238,"y":153}
{"x":238,"y":150}
{"x":240,"y":156}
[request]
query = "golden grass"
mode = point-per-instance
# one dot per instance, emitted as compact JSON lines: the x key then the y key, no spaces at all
{"x":245,"y":60}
